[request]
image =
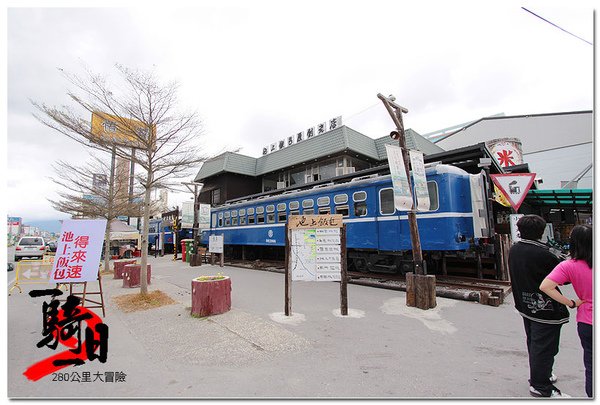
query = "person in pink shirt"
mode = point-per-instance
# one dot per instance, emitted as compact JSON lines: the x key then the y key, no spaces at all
{"x":578,"y":271}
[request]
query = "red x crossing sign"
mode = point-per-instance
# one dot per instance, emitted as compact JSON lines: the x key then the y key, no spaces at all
{"x":514,"y":186}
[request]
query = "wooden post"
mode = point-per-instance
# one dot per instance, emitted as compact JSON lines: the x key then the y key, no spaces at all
{"x":344,"y":275}
{"x":288,"y":274}
{"x":222,"y":259}
{"x":411,"y":300}
{"x":422,"y":285}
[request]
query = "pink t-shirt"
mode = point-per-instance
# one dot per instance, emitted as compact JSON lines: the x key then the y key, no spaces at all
{"x":580,"y":276}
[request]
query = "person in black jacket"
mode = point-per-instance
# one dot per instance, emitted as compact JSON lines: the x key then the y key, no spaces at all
{"x":530,"y":261}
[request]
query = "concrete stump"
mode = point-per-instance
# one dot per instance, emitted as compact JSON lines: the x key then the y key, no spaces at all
{"x":118,"y":267}
{"x":210,"y":296}
{"x":131,"y":275}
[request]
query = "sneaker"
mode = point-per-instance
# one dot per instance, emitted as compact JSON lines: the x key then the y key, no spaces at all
{"x":553,"y":378}
{"x":554,"y":394}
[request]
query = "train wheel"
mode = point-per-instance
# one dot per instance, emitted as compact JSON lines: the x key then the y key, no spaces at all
{"x":360,"y":264}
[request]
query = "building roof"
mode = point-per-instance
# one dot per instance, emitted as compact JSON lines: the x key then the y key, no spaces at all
{"x":576,"y":198}
{"x":338,"y":140}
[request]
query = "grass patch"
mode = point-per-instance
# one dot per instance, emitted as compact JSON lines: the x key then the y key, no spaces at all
{"x":142,"y":302}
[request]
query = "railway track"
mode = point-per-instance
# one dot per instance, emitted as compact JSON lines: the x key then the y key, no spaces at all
{"x":484,"y":291}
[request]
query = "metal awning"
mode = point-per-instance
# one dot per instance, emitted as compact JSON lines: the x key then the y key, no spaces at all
{"x":580,"y":199}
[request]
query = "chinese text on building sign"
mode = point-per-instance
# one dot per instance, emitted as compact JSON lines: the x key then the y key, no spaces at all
{"x":402,"y":195}
{"x":78,"y":251}
{"x":315,"y":251}
{"x":420,"y":180}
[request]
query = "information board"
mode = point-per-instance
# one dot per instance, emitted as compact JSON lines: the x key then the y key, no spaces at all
{"x":215,"y":243}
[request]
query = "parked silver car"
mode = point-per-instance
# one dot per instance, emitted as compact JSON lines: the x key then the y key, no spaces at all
{"x":30,"y":246}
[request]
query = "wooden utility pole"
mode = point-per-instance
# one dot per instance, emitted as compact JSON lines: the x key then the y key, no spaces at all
{"x":420,"y":288}
{"x":195,"y":228}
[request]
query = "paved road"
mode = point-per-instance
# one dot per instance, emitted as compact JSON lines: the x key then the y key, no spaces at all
{"x":382,"y":350}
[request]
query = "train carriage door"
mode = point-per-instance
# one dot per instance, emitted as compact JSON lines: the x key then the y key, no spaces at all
{"x":388,"y":223}
{"x":479,"y":205}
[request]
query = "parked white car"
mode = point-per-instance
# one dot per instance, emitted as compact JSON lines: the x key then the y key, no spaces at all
{"x":30,"y":246}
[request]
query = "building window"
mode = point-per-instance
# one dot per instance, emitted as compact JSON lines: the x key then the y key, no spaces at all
{"x":215,"y":196}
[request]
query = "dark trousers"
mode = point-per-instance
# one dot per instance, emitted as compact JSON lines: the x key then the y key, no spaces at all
{"x":585,"y":335}
{"x":542,"y":346}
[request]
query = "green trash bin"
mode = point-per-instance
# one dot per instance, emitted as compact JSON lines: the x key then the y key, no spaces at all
{"x":189,"y":250}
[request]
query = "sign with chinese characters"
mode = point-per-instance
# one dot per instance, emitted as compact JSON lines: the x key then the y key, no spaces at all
{"x":78,"y":252}
{"x":124,"y":131}
{"x":514,"y":186}
{"x":204,"y":216}
{"x":187,"y":214}
{"x":315,"y":247}
{"x":215,"y":243}
{"x":420,"y":180}
{"x":311,"y":132}
{"x":506,"y":151}
{"x":402,"y":195}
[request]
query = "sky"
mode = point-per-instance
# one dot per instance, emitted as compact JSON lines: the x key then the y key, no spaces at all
{"x":259,"y":71}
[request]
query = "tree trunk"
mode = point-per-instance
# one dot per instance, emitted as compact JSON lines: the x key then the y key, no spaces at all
{"x":145,"y":226}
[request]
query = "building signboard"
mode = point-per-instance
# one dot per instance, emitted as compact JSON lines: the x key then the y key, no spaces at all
{"x":311,"y":132}
{"x":123,"y":131}
{"x":204,"y":216}
{"x":187,"y":214}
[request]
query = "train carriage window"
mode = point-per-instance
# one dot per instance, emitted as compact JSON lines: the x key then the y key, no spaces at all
{"x":281,"y":207}
{"x":250,"y":219}
{"x":260,"y":218}
{"x":220,"y":215}
{"x":308,"y":203}
{"x":386,"y":201}
{"x":282,"y":217}
{"x":342,"y":210}
{"x":270,"y":218}
{"x":234,"y":213}
{"x":360,"y":209}
{"x":270,"y":208}
{"x":242,"y":220}
{"x":227,"y":221}
{"x":242,"y":212}
{"x":260,"y":210}
{"x":340,"y":199}
{"x":324,"y":210}
{"x":295,"y":212}
{"x":323,"y":201}
{"x":294,"y":205}
{"x":250,"y":211}
{"x":220,"y":222}
{"x":227,"y":214}
{"x":434,"y":201}
{"x":234,"y":221}
{"x":214,"y":220}
{"x":308,"y":211}
{"x":359,"y":196}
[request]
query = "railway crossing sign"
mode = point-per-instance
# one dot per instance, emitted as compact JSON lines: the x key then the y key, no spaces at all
{"x":514,"y":186}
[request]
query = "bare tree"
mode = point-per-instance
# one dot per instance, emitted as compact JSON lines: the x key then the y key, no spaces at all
{"x":138,"y":113}
{"x":86,"y":193}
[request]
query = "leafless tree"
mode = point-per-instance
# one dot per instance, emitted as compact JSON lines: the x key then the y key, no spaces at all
{"x":86,"y":193}
{"x":140,"y":113}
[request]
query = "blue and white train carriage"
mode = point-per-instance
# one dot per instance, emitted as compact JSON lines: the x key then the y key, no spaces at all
{"x":378,"y":236}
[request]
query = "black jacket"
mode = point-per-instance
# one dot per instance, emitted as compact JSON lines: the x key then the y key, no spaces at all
{"x":529,"y":263}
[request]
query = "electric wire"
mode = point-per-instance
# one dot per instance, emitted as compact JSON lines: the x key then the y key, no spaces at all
{"x":551,"y":23}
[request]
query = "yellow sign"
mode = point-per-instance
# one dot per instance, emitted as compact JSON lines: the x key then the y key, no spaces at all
{"x":500,"y":198}
{"x":315,"y":221}
{"x":123,"y":131}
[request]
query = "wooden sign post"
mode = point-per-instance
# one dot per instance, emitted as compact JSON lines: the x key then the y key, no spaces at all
{"x":316,"y":251}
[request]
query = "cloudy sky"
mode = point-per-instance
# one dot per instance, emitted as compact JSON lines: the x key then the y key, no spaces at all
{"x":259,"y":71}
